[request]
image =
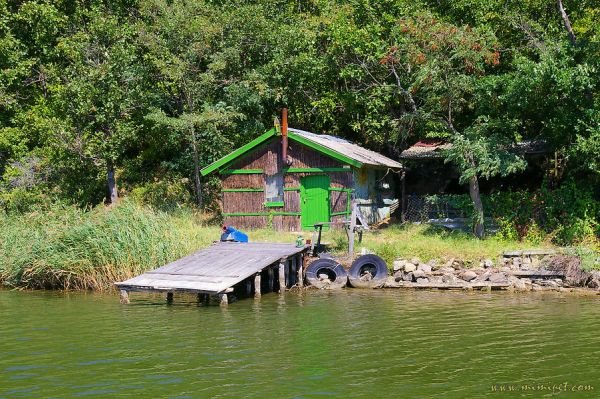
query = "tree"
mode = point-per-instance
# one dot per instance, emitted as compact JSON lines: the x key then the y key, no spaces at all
{"x":200,"y":130}
{"x":99,"y":93}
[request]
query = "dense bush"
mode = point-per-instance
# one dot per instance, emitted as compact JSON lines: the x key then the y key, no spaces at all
{"x":566,"y":215}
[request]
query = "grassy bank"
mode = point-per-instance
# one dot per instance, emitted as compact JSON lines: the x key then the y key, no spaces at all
{"x":67,"y":248}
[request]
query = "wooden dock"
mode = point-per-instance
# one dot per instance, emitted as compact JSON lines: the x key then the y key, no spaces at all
{"x":217,"y":269}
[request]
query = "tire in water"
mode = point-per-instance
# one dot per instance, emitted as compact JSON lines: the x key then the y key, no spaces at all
{"x":368,"y":271}
{"x":326,"y":273}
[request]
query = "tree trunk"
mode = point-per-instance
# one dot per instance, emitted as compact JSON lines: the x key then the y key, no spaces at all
{"x":478,"y":226}
{"x":113,"y":194}
{"x":197,"y":181}
{"x":566,"y":22}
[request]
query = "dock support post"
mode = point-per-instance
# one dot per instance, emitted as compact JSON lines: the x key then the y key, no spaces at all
{"x":271,"y":279}
{"x":257,"y":292}
{"x":352,"y":227}
{"x":282,"y":286}
{"x":223,"y":301}
{"x":300,"y":270}
{"x":292,"y":276}
{"x":249,"y":286}
{"x":124,"y":297}
{"x":169,"y":298}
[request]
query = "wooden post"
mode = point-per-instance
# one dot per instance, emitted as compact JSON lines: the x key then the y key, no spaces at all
{"x":257,"y":292}
{"x":403,"y":198}
{"x":223,"y":301}
{"x":351,"y":231}
{"x":271,"y":279}
{"x":282,"y":275}
{"x":293,"y":268}
{"x":248,"y":287}
{"x":169,"y":298}
{"x":300,"y":270}
{"x":124,"y":297}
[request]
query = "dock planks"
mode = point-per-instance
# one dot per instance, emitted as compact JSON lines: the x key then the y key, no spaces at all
{"x":212,"y":270}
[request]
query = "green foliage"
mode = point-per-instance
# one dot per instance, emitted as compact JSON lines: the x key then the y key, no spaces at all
{"x":154,"y":89}
{"x":163,"y":195}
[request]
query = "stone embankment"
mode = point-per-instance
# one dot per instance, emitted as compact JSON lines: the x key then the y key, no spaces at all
{"x":515,"y":273}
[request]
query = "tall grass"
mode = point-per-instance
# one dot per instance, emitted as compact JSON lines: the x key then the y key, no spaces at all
{"x":68,"y":248}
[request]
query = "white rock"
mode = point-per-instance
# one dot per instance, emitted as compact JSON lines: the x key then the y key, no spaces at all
{"x":410,"y":267}
{"x":418,"y":274}
{"x":425,"y":268}
{"x":399,"y":264}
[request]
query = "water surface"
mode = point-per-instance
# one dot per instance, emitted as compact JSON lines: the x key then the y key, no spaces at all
{"x":349,"y":344}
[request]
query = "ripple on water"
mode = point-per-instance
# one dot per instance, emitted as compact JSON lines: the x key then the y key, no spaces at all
{"x":317,"y":344}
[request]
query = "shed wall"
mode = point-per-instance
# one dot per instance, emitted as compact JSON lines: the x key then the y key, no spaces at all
{"x":246,"y":209}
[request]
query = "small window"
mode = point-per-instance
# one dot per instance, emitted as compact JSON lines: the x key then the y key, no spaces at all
{"x":274,"y":190}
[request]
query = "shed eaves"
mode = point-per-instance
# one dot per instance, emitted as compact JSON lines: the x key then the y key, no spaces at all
{"x":348,"y":149}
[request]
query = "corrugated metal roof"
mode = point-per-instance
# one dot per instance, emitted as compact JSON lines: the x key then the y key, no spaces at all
{"x":348,"y":149}
{"x":423,"y":151}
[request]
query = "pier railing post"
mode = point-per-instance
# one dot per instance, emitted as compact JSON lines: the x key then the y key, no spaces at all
{"x":257,"y":292}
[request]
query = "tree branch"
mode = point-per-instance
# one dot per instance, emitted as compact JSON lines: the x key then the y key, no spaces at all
{"x":566,"y":22}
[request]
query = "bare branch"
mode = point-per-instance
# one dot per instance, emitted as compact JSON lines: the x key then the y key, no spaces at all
{"x":566,"y":22}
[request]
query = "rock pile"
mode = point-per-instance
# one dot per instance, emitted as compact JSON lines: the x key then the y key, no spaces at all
{"x":554,"y":272}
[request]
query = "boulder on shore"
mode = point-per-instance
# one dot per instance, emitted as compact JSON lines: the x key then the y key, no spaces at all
{"x":468,"y":275}
{"x":410,"y":267}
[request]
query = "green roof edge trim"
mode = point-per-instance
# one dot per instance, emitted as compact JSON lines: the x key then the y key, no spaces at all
{"x":327,"y":151}
{"x":237,"y":153}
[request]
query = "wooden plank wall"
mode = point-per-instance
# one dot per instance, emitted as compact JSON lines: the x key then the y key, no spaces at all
{"x":267,"y":158}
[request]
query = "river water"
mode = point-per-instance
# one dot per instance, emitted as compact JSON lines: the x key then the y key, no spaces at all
{"x":348,"y":344}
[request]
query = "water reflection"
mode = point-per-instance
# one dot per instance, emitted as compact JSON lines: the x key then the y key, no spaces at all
{"x":299,"y":345}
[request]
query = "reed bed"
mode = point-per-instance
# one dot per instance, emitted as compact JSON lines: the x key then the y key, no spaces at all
{"x":69,"y":248}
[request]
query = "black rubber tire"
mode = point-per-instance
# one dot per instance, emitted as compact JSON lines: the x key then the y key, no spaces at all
{"x":329,"y":267}
{"x":368,"y":263}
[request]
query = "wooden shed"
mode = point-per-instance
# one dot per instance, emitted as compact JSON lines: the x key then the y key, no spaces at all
{"x":290,"y":179}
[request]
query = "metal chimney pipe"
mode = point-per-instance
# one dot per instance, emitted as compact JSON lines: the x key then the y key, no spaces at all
{"x":284,"y":135}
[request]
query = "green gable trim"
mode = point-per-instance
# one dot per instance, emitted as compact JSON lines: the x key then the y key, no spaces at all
{"x":242,"y":171}
{"x":315,"y":170}
{"x":237,"y":153}
{"x":291,"y":189}
{"x":243,"y":190}
{"x":327,"y":151}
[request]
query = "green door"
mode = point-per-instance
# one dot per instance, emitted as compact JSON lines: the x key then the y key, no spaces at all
{"x":314,"y":200}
